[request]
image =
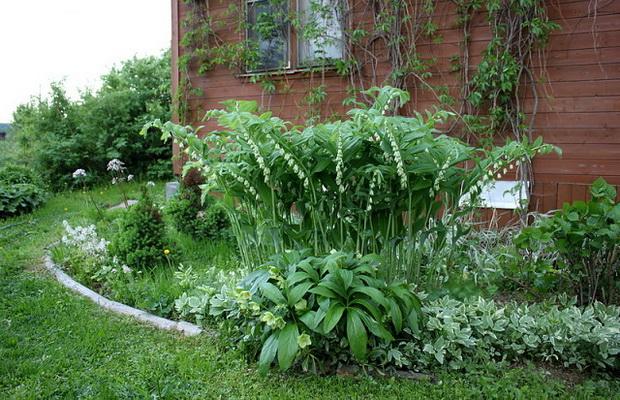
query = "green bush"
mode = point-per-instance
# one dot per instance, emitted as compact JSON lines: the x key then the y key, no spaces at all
{"x":21,"y":190}
{"x":12,"y":174}
{"x":19,"y":198}
{"x":311,"y":309}
{"x":585,"y":236}
{"x":195,"y":215}
{"x":140,"y":240}
{"x":61,"y":135}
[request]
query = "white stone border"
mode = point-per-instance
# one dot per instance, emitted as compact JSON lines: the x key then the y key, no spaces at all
{"x":184,"y":327}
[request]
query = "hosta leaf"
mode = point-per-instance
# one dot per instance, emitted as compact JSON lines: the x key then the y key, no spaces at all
{"x":268,"y":352}
{"x":332,"y":317}
{"x":287,"y":346}
{"x":356,"y":334}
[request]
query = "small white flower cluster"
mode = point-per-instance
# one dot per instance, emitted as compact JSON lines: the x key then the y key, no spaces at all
{"x":371,"y":192}
{"x":386,"y":107}
{"x":296,"y":168}
{"x":261,"y":160}
{"x":339,"y":165}
{"x":79,"y":173}
{"x":400,"y":167}
{"x":116,"y":165}
{"x":246,"y":184}
{"x":442,"y":172}
{"x":85,"y":238}
{"x":497,"y":170}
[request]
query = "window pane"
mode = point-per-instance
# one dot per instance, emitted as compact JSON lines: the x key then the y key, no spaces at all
{"x":321,"y":34}
{"x":268,"y":29}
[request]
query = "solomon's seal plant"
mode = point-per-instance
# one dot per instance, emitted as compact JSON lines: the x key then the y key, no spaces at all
{"x":373,"y":183}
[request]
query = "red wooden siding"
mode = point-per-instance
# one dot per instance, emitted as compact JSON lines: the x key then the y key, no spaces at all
{"x":579,"y":101}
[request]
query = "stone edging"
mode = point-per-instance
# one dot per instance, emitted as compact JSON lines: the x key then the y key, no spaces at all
{"x":186,"y":328}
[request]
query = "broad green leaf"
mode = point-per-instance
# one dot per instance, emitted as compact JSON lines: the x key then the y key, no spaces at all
{"x":396,"y":314}
{"x":297,"y":277}
{"x":272,"y":293}
{"x":374,"y":293}
{"x":268,"y":352}
{"x":298,"y":292}
{"x":347,"y":278}
{"x":356,"y":334}
{"x":375,"y":327}
{"x":287,"y":346}
{"x":332,"y":317}
{"x":323,"y":291}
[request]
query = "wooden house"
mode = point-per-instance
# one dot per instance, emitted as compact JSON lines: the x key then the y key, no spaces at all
{"x":571,"y":99}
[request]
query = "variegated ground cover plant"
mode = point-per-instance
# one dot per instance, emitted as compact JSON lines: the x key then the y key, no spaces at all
{"x":375,"y":183}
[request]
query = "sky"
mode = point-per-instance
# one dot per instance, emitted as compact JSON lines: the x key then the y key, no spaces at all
{"x":43,"y":41}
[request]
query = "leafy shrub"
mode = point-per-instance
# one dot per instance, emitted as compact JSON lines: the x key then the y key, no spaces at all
{"x":19,"y":198}
{"x":344,"y":184}
{"x":313,"y":308}
{"x":21,"y":190}
{"x":197,"y":215}
{"x":139,"y":242}
{"x":61,"y":135}
{"x":12,"y":174}
{"x":586,"y":238}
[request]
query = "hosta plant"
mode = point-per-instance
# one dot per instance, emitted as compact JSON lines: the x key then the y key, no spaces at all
{"x":373,"y":183}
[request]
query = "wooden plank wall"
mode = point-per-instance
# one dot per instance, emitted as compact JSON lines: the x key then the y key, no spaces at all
{"x":578,"y":89}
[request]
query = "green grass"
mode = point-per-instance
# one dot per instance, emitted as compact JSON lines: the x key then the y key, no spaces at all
{"x":54,"y":344}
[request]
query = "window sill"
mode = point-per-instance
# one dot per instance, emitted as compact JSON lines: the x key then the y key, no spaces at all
{"x":285,"y":72}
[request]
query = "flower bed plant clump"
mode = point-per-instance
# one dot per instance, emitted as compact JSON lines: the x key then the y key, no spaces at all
{"x":585,"y":238}
{"x":374,"y":183}
{"x":322,"y":312}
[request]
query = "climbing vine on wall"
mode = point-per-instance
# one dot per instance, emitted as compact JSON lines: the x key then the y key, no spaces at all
{"x":489,"y":103}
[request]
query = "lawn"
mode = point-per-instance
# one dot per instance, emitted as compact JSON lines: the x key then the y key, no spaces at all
{"x":54,"y":344}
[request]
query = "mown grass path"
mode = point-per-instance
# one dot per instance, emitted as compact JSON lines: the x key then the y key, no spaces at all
{"x":54,"y":344}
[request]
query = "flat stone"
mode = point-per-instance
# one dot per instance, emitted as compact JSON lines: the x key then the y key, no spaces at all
{"x":123,"y":205}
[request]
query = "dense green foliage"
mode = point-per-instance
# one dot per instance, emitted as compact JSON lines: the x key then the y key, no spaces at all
{"x":21,"y":190}
{"x":57,"y":345}
{"x":346,"y":184}
{"x":61,"y":135}
{"x":303,"y":307}
{"x":197,"y":215}
{"x":140,"y":241}
{"x":586,"y":238}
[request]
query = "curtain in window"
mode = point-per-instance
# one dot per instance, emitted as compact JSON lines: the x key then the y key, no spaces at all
{"x":268,"y":30}
{"x":321,"y":36}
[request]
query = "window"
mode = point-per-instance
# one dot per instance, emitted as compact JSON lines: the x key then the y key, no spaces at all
{"x":319,"y":38}
{"x":269,"y":29}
